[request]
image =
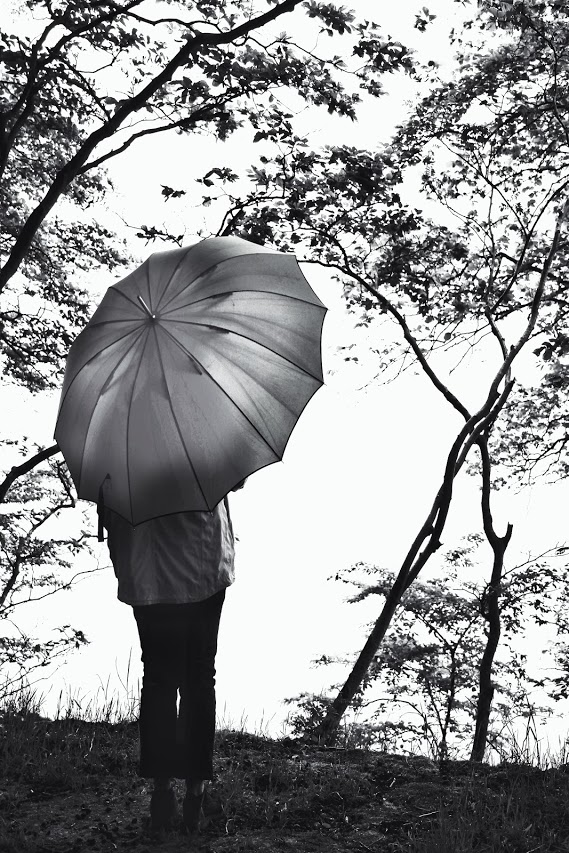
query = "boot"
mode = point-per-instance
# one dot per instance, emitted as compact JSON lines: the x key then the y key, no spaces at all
{"x":192,"y":810}
{"x":163,"y":807}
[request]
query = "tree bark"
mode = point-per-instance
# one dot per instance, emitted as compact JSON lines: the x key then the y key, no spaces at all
{"x":485,"y":686}
{"x":491,"y":611}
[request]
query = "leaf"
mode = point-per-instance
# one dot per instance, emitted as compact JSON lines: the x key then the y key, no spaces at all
{"x":168,"y":192}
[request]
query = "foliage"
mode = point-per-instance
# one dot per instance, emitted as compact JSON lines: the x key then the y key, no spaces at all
{"x":388,"y":735}
{"x":85,"y":82}
{"x":36,"y":561}
{"x":487,"y":253}
{"x":479,"y":269}
{"x":525,"y":85}
{"x":41,"y":124}
{"x":490,"y":150}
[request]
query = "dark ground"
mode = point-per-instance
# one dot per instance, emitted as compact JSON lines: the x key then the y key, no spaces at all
{"x":72,"y":785}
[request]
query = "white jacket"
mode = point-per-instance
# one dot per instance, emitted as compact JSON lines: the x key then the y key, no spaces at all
{"x":175,"y":559}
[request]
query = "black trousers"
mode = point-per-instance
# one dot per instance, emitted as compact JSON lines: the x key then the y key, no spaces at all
{"x":179,"y":644}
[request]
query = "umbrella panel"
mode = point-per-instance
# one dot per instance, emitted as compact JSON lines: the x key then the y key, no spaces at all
{"x":99,"y":377}
{"x":201,"y":262}
{"x":270,"y":391}
{"x":272,"y":273}
{"x":254,"y":317}
{"x":114,"y":338}
{"x":178,"y":413}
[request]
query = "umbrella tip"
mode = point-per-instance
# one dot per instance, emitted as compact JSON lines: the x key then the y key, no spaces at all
{"x":146,"y":308}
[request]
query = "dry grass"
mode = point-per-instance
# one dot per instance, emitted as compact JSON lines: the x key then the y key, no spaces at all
{"x":71,"y":784}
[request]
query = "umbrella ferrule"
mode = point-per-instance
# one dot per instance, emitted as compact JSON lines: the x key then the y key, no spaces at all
{"x":146,"y":308}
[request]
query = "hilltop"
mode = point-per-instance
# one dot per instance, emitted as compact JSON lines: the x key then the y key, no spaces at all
{"x":71,"y":784}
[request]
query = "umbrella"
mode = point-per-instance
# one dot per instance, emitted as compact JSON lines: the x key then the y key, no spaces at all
{"x":190,"y":375}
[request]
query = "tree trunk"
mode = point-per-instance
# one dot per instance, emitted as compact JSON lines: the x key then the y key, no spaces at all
{"x":443,"y":751}
{"x":325,"y":732}
{"x":485,"y":686}
{"x":490,"y":607}
{"x":414,"y":562}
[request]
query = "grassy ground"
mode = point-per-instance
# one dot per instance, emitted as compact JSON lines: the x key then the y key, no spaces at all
{"x":71,"y":784}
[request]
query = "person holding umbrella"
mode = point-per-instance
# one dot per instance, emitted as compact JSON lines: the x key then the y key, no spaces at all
{"x":174,"y":571}
{"x":191,"y":375}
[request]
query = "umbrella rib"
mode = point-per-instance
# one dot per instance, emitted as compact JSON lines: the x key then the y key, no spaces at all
{"x":222,"y":389}
{"x":172,"y":274}
{"x":128,"y":424}
{"x":175,"y":418}
{"x":92,"y":325}
{"x":124,"y":296}
{"x":95,"y":356}
{"x":112,"y":373}
{"x":147,"y":271}
{"x":240,"y":335}
{"x":244,"y":290}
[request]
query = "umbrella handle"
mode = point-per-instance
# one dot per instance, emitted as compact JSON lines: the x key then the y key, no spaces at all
{"x":101,"y":510}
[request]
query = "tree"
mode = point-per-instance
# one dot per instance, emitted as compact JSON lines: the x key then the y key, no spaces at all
{"x":491,"y":150}
{"x":36,"y":562}
{"x":210,"y":68}
{"x":429,"y":662}
{"x":428,"y":659}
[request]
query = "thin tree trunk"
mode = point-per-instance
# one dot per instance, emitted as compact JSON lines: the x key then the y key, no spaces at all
{"x":443,"y":751}
{"x":491,"y":611}
{"x":485,"y":686}
{"x":429,"y":536}
{"x":326,"y":731}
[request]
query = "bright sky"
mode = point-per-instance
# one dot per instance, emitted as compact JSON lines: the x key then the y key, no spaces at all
{"x":359,"y":473}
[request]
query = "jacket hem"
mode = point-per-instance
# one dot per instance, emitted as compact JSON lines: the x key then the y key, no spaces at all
{"x":191,"y":600}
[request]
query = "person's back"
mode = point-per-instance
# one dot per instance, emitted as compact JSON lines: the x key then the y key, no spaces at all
{"x":174,"y":559}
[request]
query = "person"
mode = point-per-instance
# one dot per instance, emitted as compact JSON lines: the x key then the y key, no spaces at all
{"x":174,"y":571}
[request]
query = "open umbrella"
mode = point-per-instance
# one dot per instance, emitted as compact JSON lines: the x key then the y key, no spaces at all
{"x":191,"y":375}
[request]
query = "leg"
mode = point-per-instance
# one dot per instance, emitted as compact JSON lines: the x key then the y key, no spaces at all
{"x":162,"y":636}
{"x":197,"y":688}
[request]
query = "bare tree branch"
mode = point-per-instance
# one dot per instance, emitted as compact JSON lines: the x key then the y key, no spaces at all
{"x":24,"y":468}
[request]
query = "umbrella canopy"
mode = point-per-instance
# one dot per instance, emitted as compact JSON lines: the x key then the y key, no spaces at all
{"x":191,"y":374}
